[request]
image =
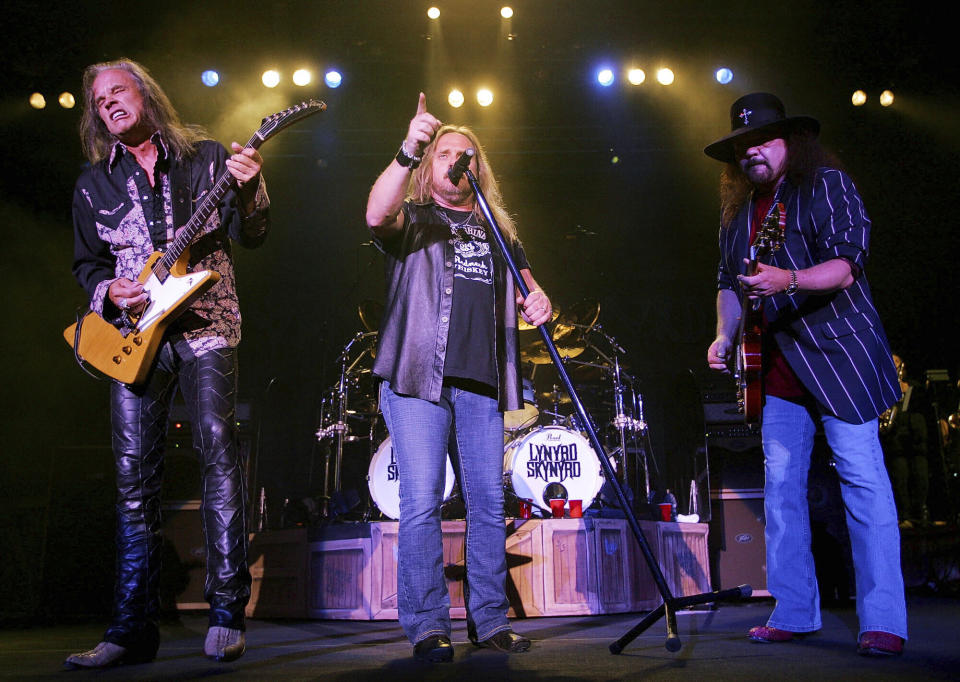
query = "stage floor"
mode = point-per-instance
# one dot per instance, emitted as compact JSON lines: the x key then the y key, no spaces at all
{"x":565,"y":648}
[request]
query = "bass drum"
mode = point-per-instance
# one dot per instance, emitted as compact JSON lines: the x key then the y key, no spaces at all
{"x":550,"y":460}
{"x":383,"y":480}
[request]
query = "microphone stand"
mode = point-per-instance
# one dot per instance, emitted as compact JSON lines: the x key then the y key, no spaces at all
{"x":670,"y":603}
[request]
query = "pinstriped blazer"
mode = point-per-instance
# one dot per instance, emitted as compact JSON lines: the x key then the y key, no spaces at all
{"x":835,"y":343}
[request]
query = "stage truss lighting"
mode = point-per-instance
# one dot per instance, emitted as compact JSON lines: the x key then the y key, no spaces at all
{"x":484,"y":97}
{"x":38,"y":101}
{"x":859,"y":98}
{"x":270,"y":78}
{"x":636,"y":76}
{"x":302,"y":77}
{"x":332,"y":78}
{"x":506,"y":12}
{"x":665,"y":76}
{"x":67,"y":100}
{"x":724,"y":76}
{"x":886,"y":98}
{"x":455,"y":98}
{"x":210,"y":78}
{"x":433,"y":12}
{"x":605,"y":77}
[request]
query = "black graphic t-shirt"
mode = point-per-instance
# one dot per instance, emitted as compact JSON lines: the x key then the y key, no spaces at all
{"x":471,"y":341}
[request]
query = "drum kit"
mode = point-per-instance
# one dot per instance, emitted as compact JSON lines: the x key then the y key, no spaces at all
{"x":546,"y":452}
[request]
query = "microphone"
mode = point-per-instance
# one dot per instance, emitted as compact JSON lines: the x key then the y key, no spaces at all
{"x":460,"y":166}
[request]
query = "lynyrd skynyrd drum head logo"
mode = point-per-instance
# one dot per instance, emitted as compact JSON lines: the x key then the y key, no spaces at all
{"x":553,"y":460}
{"x":393,"y":474}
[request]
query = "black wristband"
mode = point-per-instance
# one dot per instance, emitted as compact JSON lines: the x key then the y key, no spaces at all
{"x":405,"y":160}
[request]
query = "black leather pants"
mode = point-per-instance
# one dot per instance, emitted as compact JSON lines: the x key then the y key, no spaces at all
{"x":139,"y":417}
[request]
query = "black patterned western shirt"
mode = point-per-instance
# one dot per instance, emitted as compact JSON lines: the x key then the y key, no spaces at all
{"x":119,"y":218}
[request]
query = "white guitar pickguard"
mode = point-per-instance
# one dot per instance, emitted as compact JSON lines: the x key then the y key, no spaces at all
{"x":165,"y":296}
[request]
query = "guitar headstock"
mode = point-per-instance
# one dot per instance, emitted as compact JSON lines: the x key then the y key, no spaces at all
{"x":274,"y":123}
{"x":770,"y":235}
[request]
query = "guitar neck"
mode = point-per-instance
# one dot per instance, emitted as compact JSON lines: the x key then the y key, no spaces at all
{"x":200,"y":216}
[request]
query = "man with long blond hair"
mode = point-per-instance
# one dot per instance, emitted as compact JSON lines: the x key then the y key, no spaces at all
{"x":449,"y":359}
{"x":147,"y":170}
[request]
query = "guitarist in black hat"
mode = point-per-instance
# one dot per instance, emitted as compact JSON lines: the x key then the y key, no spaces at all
{"x":825,"y":359}
{"x":147,"y":170}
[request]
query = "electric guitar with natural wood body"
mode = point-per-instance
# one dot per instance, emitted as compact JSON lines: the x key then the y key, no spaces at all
{"x":127,"y":353}
{"x":748,"y":372}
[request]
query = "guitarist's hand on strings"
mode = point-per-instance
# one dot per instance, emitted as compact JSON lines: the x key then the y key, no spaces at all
{"x":127,"y":295}
{"x":719,"y":354}
{"x":767,"y":281}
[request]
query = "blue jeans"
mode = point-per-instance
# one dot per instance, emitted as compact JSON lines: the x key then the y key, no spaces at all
{"x":471,"y":427}
{"x":788,"y":431}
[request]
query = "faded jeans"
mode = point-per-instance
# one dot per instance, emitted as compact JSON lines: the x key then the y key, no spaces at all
{"x":788,"y":432}
{"x":469,"y":427}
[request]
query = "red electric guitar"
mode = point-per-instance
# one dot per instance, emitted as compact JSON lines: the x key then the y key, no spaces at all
{"x":748,"y":372}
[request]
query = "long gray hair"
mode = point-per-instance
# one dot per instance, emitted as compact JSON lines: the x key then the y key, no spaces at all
{"x":97,"y":140}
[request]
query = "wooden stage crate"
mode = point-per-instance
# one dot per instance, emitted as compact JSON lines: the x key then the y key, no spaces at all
{"x":556,"y":567}
{"x":278,"y":569}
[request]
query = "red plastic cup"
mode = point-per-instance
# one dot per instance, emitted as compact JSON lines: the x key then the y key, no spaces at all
{"x":576,"y":509}
{"x":556,"y":506}
{"x":526,"y":507}
{"x":666,"y":511}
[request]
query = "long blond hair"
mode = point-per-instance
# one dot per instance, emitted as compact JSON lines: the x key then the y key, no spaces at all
{"x":420,"y":189}
{"x":158,"y":111}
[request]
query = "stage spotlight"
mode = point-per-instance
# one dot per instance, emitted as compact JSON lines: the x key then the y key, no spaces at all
{"x":605,"y":77}
{"x":455,"y":98}
{"x":271,"y":78}
{"x":859,"y":98}
{"x":302,"y":77}
{"x":506,"y":12}
{"x":67,"y":100}
{"x":886,"y":98}
{"x":724,"y":76}
{"x":433,"y":12}
{"x":665,"y":76}
{"x":210,"y":78}
{"x":484,"y":97}
{"x":333,"y":79}
{"x":37,"y":101}
{"x":636,"y":76}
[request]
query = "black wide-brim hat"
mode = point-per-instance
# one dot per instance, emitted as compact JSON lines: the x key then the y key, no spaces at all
{"x":758,"y":111}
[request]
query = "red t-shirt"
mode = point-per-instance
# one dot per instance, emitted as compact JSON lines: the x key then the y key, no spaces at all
{"x":778,"y":379}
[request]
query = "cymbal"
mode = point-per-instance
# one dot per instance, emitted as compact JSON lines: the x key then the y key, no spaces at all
{"x":556,"y":396}
{"x":577,"y":319}
{"x":370,"y":312}
{"x":536,"y":352}
{"x":569,"y":333}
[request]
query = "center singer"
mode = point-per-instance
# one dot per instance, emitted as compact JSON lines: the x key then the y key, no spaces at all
{"x":449,"y":358}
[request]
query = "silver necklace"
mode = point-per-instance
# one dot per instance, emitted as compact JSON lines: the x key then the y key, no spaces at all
{"x":457,"y":228}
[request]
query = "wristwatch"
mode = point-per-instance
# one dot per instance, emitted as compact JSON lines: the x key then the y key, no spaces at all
{"x":793,"y":287}
{"x":405,"y":159}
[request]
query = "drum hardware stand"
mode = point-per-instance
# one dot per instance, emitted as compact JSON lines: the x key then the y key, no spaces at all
{"x":338,"y":430}
{"x":670,"y":603}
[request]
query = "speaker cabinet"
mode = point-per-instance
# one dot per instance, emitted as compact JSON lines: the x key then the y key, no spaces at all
{"x":737,"y":545}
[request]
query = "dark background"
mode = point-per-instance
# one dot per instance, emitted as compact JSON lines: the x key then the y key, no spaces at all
{"x":551,"y":135}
